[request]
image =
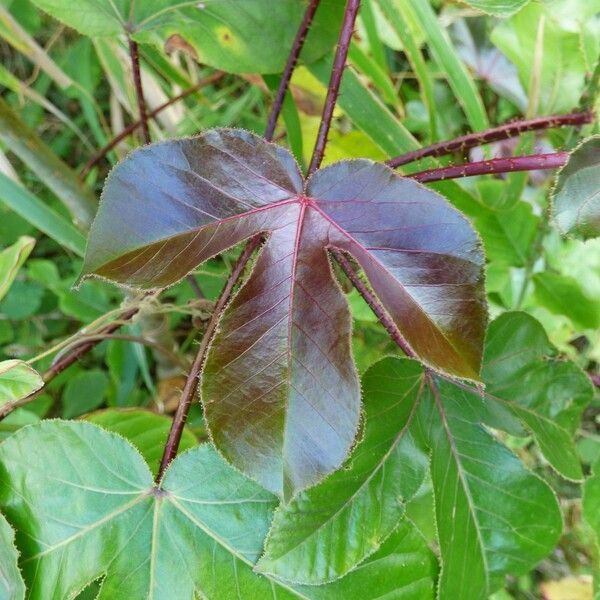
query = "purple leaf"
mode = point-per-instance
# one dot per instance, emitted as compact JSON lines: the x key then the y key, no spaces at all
{"x":280,"y":390}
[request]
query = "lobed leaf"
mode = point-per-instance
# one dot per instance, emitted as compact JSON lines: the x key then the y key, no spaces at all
{"x":146,"y":430}
{"x":86,"y":508}
{"x":576,"y":197}
{"x":280,"y":390}
{"x":493,"y":516}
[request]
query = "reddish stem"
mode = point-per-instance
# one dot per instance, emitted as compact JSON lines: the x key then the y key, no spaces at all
{"x":595,"y":379}
{"x":533,"y":162}
{"x":290,"y":66}
{"x":91,"y":163}
{"x":370,"y":298}
{"x":191,"y":384}
{"x":333,"y":90}
{"x":503,"y":132}
{"x":139,"y":92}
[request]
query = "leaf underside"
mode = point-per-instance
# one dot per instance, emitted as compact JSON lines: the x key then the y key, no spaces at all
{"x":280,"y":390}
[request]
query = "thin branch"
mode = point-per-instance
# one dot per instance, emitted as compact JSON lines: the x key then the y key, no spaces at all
{"x":595,"y":379}
{"x":504,"y":132}
{"x":191,"y":384}
{"x":98,"y":156}
{"x":494,"y":166}
{"x":372,"y":301}
{"x":333,"y":90}
{"x":290,"y":66}
{"x":139,"y":92}
{"x":68,"y":359}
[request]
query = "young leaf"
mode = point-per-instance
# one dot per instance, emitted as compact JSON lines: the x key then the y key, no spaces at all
{"x":17,"y":380}
{"x":308,"y":541}
{"x":247,"y":38}
{"x":576,"y":197}
{"x":146,"y":430}
{"x":12,"y":586}
{"x":11,"y":260}
{"x":523,"y":374}
{"x":291,"y":406}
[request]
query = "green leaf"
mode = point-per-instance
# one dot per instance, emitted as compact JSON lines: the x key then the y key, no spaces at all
{"x":54,"y":173}
{"x":404,"y":568}
{"x":240,"y":38}
{"x":576,"y":197}
{"x":498,"y":8}
{"x":84,"y":392}
{"x":17,"y":380}
{"x":146,"y":430}
{"x":12,"y":586}
{"x":291,"y":410}
{"x":11,"y":260}
{"x":591,"y":514}
{"x":309,"y":538}
{"x":493,"y":516}
{"x":562,"y":295}
{"x":561,"y":76}
{"x":522,"y":373}
{"x":33,"y":210}
{"x":445,"y":55}
{"x":367,"y":111}
{"x":84,"y":505}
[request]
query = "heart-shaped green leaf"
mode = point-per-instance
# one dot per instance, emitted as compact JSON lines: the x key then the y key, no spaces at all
{"x":280,"y":390}
{"x":576,"y":197}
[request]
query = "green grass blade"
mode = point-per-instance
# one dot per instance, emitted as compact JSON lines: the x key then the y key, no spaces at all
{"x":445,"y":55}
{"x":33,"y":210}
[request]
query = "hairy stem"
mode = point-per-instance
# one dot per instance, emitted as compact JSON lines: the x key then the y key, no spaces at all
{"x":68,"y":359}
{"x":98,"y":156}
{"x":290,"y":66}
{"x":191,"y":384}
{"x":333,"y":89}
{"x":504,"y":132}
{"x":494,"y":166}
{"x":139,"y":92}
{"x":374,"y":304}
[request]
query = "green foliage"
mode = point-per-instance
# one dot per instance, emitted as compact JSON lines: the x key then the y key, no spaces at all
{"x":413,"y":482}
{"x":576,"y":198}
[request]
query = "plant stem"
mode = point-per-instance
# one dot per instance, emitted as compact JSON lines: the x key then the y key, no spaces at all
{"x":191,"y":384}
{"x":68,"y":359}
{"x":374,"y":304}
{"x":494,"y":166}
{"x":98,"y":156}
{"x":290,"y":66}
{"x":139,"y":92}
{"x":504,"y":132}
{"x":333,"y":89}
{"x":595,"y":379}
